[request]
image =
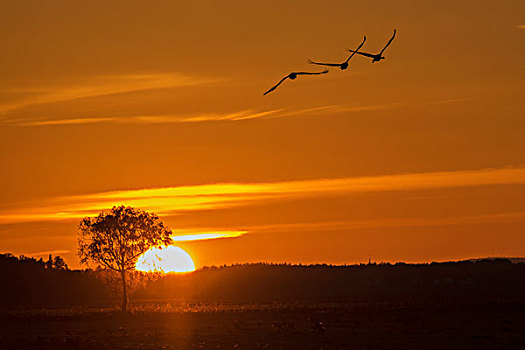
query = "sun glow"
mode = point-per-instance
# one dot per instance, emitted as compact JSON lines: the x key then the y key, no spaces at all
{"x":165,"y":259}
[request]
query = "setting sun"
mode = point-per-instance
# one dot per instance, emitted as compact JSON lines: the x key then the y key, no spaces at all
{"x":165,"y":259}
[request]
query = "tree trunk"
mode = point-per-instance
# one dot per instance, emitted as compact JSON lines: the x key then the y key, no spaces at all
{"x":124,"y":292}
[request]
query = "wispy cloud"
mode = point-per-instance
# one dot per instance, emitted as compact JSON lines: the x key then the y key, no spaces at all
{"x":104,"y":85}
{"x":346,"y":108}
{"x":505,"y":217}
{"x":521,"y":26}
{"x":242,"y":115}
{"x":157,"y":119}
{"x":65,"y":122}
{"x":232,"y":116}
{"x":173,"y":200}
{"x":52,"y":252}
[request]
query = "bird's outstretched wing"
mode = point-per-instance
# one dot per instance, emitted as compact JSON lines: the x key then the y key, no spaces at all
{"x":324,"y":64}
{"x":276,"y":85}
{"x":354,"y":52}
{"x":312,"y":73}
{"x":388,"y":43}
{"x":363,"y":53}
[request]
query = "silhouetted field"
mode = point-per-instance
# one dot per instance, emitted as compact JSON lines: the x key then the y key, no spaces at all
{"x":462,"y":305}
{"x":369,"y":325}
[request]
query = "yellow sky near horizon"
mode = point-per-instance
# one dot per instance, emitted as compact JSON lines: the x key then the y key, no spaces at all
{"x":159,"y":105}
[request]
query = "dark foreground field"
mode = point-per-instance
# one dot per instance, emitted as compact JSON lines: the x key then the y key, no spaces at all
{"x":370,"y":324}
{"x":455,"y":305}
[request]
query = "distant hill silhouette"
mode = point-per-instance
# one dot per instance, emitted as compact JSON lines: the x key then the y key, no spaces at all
{"x":27,"y":282}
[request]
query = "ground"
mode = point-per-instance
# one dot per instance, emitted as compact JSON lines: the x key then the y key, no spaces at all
{"x":356,"y":324}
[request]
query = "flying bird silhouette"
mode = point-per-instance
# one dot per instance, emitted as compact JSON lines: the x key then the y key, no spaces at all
{"x":292,"y":76}
{"x":343,"y":65}
{"x":377,"y":57}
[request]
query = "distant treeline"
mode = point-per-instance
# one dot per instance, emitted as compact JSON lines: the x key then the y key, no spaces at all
{"x":27,"y":282}
{"x":267,"y":282}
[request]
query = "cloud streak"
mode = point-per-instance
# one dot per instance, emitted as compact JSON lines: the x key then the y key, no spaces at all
{"x":158,"y":119}
{"x":46,"y":253}
{"x":232,"y":116}
{"x":505,"y":217}
{"x":66,"y":122}
{"x":104,"y":85}
{"x":173,"y":200}
{"x":199,"y":235}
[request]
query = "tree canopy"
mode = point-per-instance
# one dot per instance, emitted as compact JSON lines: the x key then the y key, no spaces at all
{"x":116,"y":238}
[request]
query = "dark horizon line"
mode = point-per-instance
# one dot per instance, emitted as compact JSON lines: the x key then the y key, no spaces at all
{"x":512,"y":259}
{"x":489,"y":258}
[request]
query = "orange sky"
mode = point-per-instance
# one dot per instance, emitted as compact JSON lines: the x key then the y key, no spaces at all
{"x":159,"y":105}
